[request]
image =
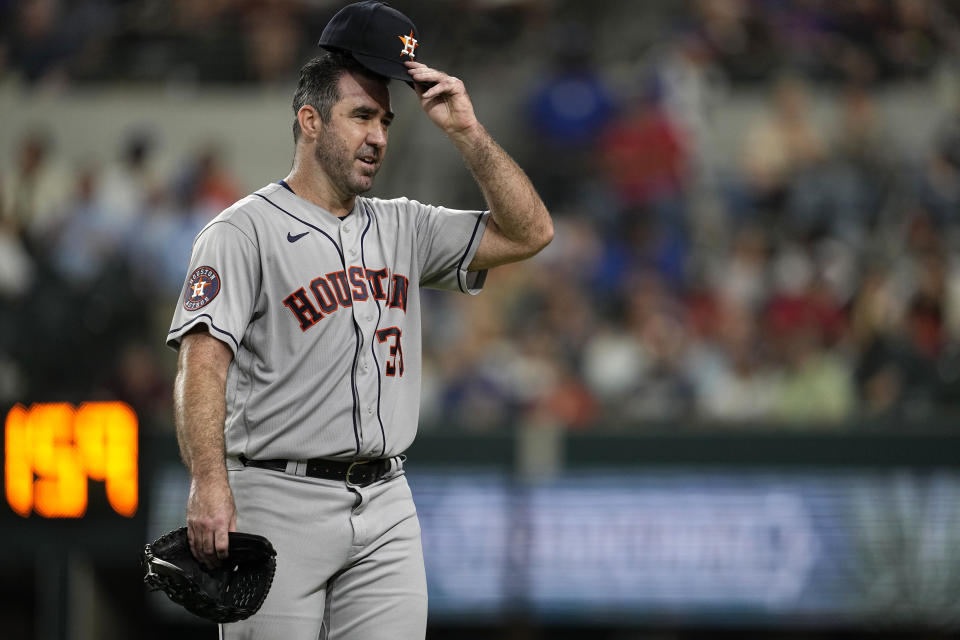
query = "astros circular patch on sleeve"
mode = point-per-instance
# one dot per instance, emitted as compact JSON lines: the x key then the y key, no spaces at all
{"x":203,"y":285}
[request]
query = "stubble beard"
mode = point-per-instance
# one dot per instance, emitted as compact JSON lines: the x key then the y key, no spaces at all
{"x":331,"y":154}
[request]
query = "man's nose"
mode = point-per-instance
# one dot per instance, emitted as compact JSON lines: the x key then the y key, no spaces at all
{"x":377,"y":135}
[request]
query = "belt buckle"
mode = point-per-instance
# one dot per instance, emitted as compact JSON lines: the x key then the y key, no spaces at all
{"x":350,"y":470}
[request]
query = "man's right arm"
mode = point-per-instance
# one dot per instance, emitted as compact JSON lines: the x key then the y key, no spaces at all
{"x":199,"y":399}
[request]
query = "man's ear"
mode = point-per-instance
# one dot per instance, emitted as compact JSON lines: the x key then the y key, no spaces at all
{"x":310,"y":122}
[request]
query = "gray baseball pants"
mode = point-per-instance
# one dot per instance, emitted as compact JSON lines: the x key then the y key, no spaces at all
{"x":349,"y":559}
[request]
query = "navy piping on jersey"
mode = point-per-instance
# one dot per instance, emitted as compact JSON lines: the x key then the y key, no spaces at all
{"x":373,"y":339}
{"x":358,"y":335}
{"x":209,"y":323}
{"x":464,"y":257}
{"x":283,"y":183}
{"x":356,"y":329}
{"x":358,"y":338}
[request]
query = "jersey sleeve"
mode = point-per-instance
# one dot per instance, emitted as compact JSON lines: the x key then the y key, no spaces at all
{"x":221,"y":286}
{"x":447,"y":241}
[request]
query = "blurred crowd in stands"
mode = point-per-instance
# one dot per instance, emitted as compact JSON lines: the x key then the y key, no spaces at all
{"x":809,"y":280}
{"x":244,"y":41}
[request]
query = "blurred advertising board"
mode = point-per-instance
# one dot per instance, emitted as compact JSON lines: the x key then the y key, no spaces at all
{"x":681,"y":546}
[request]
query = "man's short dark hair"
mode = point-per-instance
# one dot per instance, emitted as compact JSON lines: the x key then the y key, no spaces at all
{"x":319,"y":84}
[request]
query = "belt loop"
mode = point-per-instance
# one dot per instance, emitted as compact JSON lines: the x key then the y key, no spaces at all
{"x":296,"y":467}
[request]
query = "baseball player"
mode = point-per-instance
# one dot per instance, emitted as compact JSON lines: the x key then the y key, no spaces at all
{"x":299,"y":340}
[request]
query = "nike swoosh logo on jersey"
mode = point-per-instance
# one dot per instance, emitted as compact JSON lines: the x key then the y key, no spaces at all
{"x":294,"y":238}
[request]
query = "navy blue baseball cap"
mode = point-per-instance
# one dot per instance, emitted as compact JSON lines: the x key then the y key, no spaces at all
{"x":378,"y":36}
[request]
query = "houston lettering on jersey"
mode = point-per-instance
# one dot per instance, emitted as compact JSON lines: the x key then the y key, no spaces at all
{"x":338,"y":289}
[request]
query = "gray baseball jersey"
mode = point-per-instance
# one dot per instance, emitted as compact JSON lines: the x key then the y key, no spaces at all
{"x":323,"y":317}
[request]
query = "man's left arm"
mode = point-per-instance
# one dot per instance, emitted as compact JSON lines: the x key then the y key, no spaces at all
{"x":520,"y":224}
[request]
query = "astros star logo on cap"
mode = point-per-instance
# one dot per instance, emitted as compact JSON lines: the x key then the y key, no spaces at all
{"x":409,"y":45}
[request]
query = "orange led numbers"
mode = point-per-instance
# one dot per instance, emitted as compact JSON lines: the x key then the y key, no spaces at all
{"x":52,"y":450}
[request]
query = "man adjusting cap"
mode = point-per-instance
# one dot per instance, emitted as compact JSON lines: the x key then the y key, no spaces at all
{"x":299,"y":341}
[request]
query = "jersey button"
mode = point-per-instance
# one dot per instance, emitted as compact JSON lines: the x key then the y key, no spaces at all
{"x":353,"y":253}
{"x":346,"y":228}
{"x":370,"y":410}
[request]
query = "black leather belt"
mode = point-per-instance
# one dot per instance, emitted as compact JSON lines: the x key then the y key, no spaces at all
{"x":355,"y":472}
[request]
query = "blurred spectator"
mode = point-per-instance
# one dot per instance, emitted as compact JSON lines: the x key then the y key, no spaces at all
{"x":475,"y":394}
{"x":895,"y":378}
{"x":160,"y":251}
{"x":664,"y":390}
{"x":273,"y":40}
{"x":739,"y":37}
{"x":16,"y":266}
{"x":35,"y":188}
{"x":613,"y":360}
{"x":87,"y":240}
{"x":642,"y":154}
{"x":816,"y":388}
{"x":129,"y":183}
{"x":740,"y":275}
{"x":654,"y":384}
{"x":39,"y":45}
{"x":734,"y":382}
{"x":565,"y":401}
{"x":914,"y":43}
{"x":572,"y":103}
{"x":863,"y":172}
{"x":802,"y":298}
{"x":939,"y":181}
{"x":781,"y":147}
{"x":567,"y":110}
{"x":206,"y":39}
{"x":856,"y":31}
{"x":205,"y":183}
{"x":692,"y":86}
{"x":169,"y":220}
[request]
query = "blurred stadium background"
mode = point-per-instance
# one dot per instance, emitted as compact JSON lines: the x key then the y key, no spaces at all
{"x":723,"y":403}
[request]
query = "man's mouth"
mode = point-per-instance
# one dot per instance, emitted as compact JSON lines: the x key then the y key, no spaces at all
{"x":368,"y":160}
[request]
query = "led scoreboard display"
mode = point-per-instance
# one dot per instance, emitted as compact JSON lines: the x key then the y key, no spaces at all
{"x":53,"y":450}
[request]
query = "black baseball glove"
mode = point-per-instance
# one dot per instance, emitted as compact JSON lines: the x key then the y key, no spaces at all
{"x":233,"y":591}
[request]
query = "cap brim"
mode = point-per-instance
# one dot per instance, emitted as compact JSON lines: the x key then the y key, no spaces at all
{"x":389,"y":68}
